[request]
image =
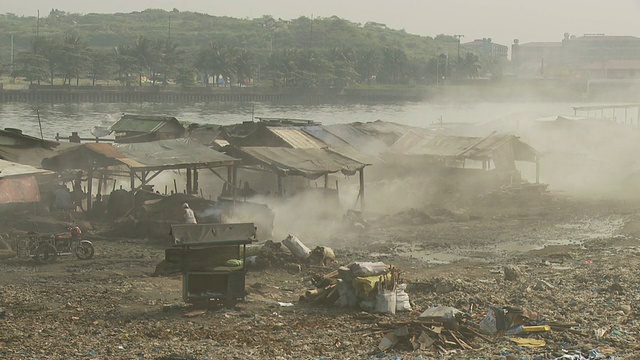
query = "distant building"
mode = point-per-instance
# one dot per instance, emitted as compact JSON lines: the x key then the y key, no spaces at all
{"x":533,"y":59}
{"x":375,"y":24}
{"x":589,"y":56}
{"x":488,"y":48}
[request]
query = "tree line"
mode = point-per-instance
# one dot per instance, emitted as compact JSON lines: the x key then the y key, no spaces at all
{"x":163,"y":61}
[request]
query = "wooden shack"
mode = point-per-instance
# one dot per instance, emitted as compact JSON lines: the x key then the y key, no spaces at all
{"x":145,"y":128}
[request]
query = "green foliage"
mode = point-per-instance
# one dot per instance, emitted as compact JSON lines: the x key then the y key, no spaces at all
{"x":32,"y":67}
{"x":159,"y":46}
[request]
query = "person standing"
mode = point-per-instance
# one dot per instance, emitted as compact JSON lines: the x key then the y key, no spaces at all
{"x":189,"y":216}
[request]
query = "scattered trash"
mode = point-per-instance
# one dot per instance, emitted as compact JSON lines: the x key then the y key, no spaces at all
{"x":445,"y":314}
{"x":283,"y":304}
{"x":297,"y":248}
{"x":543,"y":285}
{"x":528,"y":342}
{"x":194,"y":313}
{"x":512,"y":273}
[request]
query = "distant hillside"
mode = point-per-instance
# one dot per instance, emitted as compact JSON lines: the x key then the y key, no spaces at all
{"x":193,"y":49}
{"x":191,"y":31}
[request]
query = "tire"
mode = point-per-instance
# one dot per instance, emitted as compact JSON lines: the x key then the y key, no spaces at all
{"x":85,"y":250}
{"x":45,"y":254}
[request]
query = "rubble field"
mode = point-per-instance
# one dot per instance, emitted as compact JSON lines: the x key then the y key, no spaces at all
{"x":573,"y":262}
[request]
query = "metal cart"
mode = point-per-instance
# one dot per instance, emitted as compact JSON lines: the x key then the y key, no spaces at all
{"x":213,"y":261}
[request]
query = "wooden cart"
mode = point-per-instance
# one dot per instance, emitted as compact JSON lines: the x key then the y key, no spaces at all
{"x":213,"y":261}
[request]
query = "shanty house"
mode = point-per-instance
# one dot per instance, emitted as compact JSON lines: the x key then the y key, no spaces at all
{"x":458,"y":161}
{"x":310,"y":164}
{"x":142,"y":162}
{"x":145,"y":128}
{"x":18,"y":183}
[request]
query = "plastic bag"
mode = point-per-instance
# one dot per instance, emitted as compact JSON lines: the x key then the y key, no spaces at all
{"x":386,"y":302}
{"x":297,"y":248}
{"x":359,"y":269}
{"x":402,"y":298}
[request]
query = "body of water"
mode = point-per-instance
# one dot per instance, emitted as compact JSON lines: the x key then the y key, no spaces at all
{"x":65,"y":118}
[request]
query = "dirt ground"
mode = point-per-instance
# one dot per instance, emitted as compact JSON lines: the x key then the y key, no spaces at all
{"x":112,"y":307}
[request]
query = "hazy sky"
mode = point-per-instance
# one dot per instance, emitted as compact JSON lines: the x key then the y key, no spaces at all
{"x":502,"y":20}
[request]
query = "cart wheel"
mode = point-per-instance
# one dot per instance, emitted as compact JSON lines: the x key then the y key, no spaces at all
{"x":45,"y":254}
{"x":85,"y":250}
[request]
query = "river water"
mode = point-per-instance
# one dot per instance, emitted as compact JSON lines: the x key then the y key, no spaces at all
{"x":65,"y":118}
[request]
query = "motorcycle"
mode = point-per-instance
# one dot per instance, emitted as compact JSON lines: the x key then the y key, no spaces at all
{"x":45,"y":248}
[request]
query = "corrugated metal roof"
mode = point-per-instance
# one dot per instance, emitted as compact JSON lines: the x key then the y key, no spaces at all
{"x":297,"y":138}
{"x":310,"y":163}
{"x":12,"y":169}
{"x":473,"y":147}
{"x":170,"y":153}
{"x":167,"y":154}
{"x":142,"y":123}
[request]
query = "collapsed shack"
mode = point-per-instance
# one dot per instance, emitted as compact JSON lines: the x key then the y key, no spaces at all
{"x":460,"y":164}
{"x":141,"y":163}
{"x":308,"y":163}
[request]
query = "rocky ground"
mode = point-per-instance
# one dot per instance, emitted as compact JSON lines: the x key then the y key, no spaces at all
{"x":578,"y":262}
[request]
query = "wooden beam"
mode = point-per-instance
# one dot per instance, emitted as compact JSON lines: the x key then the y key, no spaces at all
{"x":89,"y":189}
{"x":362,"y":189}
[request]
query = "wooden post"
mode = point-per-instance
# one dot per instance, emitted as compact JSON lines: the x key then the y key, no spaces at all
{"x":195,"y":180}
{"x":189,"y":184}
{"x":279,"y":185}
{"x":133,"y":193}
{"x":100,"y":179}
{"x":89,"y":188}
{"x":337,"y":191}
{"x":362,"y":189}
{"x":234,"y":183}
{"x":326,"y":181}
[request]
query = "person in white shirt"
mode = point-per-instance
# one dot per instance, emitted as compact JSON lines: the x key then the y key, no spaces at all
{"x":189,"y":216}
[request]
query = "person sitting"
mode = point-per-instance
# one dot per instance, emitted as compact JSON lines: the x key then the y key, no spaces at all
{"x":189,"y":216}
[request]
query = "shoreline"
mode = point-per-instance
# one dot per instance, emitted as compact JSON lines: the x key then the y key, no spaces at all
{"x":477,"y":91}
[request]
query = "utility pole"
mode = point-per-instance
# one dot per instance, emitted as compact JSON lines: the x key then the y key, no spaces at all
{"x":311,"y":32}
{"x":458,"y":37}
{"x":169,"y":35}
{"x":12,"y":53}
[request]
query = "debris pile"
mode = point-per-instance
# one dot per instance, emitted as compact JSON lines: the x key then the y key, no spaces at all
{"x":369,"y":286}
{"x":425,"y":334}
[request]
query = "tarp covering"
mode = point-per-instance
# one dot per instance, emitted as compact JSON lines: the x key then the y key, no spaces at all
{"x":310,"y":163}
{"x":19,"y":190}
{"x":12,"y":169}
{"x":243,"y":233}
{"x":162,"y":154}
{"x":32,"y":156}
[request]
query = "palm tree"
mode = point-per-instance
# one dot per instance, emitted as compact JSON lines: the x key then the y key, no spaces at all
{"x":170,"y":58}
{"x":394,"y":65}
{"x":368,"y":65}
{"x":343,"y":61}
{"x":469,"y":66}
{"x":243,"y":65}
{"x":73,"y":58}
